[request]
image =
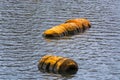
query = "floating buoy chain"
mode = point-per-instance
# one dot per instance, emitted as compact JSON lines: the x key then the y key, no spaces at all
{"x":70,"y":27}
{"x":57,"y":64}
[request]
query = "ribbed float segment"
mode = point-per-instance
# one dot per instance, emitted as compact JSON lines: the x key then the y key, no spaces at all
{"x":70,"y":27}
{"x":57,"y":64}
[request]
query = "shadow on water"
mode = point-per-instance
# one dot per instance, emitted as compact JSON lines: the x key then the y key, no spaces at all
{"x":57,"y":76}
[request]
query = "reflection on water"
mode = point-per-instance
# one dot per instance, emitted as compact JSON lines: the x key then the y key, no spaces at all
{"x":21,"y":43}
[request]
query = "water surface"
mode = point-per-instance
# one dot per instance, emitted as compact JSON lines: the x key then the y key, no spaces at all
{"x":97,"y":51}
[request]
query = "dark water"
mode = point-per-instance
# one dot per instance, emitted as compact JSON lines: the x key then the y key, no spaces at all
{"x":97,"y":51}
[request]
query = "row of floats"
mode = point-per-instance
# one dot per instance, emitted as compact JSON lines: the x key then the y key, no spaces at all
{"x":58,"y":64}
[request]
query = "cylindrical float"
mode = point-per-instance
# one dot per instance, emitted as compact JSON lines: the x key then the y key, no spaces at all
{"x":70,"y":27}
{"x":57,"y":65}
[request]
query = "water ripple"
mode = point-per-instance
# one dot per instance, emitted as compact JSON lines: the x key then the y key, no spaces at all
{"x":21,"y":43}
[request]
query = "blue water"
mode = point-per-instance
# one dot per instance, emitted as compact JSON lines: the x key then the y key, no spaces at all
{"x":97,"y":51}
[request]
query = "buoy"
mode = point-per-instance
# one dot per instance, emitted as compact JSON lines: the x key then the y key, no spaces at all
{"x":57,"y":65}
{"x":81,"y":22}
{"x":70,"y":27}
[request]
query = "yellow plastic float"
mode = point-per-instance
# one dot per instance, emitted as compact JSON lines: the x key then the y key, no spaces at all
{"x":57,"y":65}
{"x":70,"y":27}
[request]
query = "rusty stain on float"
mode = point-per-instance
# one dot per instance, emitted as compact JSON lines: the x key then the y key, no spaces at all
{"x":57,"y":65}
{"x":70,"y":27}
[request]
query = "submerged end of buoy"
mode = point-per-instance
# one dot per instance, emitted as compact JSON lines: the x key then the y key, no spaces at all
{"x":72,"y":69}
{"x":68,"y":67}
{"x":49,"y":34}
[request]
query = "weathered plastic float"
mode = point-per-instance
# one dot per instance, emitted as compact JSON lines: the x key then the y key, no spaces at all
{"x":57,"y":65}
{"x":69,"y":27}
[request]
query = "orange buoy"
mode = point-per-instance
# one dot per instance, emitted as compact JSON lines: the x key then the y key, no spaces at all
{"x":82,"y":23}
{"x":70,"y":27}
{"x":57,"y":65}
